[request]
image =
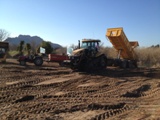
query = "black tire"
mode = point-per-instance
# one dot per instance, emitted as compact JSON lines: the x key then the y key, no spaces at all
{"x":61,"y":64}
{"x":103,"y":62}
{"x":38,"y":61}
{"x":133,"y":64}
{"x":89,"y":67}
{"x":123,"y":64}
{"x":23,"y":62}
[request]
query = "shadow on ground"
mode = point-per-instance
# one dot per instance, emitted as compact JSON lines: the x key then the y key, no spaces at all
{"x":117,"y":72}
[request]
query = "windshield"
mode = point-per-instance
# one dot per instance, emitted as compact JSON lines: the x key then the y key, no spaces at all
{"x":90,"y":45}
{"x":84,"y":45}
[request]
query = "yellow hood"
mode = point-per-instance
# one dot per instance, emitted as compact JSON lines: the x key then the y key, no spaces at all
{"x":76,"y":52}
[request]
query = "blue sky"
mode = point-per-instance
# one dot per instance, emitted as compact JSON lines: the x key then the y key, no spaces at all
{"x":67,"y":21}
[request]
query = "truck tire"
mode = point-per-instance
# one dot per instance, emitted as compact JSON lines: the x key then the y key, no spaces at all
{"x":38,"y":61}
{"x":133,"y":64}
{"x":123,"y":64}
{"x":23,"y":63}
{"x":61,"y":64}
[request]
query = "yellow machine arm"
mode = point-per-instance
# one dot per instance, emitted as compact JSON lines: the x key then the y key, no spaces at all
{"x":120,"y":42}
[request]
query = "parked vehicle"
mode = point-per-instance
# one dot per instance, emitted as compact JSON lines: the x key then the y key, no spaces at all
{"x":87,"y":57}
{"x":57,"y":58}
{"x":36,"y":59}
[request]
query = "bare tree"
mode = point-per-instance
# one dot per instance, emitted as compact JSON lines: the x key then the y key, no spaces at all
{"x":73,"y":46}
{"x":3,"y":34}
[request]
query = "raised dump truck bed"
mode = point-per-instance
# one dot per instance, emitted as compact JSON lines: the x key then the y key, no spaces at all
{"x":121,"y":43}
{"x":125,"y":48}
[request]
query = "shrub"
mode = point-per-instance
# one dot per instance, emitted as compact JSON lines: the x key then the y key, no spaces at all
{"x":149,"y":57}
{"x":109,"y":52}
{"x":61,"y":51}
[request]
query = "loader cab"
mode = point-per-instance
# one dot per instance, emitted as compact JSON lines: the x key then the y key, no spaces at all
{"x":90,"y":44}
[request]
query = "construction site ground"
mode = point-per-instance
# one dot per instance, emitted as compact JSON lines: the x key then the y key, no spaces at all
{"x":51,"y":92}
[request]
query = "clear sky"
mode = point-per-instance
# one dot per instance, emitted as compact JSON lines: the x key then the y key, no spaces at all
{"x":67,"y":21}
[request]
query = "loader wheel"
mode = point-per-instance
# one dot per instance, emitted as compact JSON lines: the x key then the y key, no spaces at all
{"x":38,"y":61}
{"x":23,"y":63}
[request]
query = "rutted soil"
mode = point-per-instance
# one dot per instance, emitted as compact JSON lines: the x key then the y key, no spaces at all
{"x":51,"y":92}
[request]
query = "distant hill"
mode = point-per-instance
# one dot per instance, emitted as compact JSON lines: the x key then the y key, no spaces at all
{"x":29,"y":39}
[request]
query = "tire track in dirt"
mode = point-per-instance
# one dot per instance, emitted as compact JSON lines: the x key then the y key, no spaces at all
{"x":60,"y":94}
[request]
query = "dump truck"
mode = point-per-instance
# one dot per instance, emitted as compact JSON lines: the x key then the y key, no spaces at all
{"x":4,"y":47}
{"x":126,"y":57}
{"x":87,"y":56}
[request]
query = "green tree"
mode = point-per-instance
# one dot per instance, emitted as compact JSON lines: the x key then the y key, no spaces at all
{"x":47,"y":46}
{"x":28,"y":48}
{"x":20,"y":47}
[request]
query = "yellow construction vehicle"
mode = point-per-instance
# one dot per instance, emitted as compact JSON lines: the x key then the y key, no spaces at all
{"x":126,"y":56}
{"x":4,"y":46}
{"x":87,"y":56}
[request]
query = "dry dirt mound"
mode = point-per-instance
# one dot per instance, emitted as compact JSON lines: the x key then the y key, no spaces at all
{"x":56,"y":93}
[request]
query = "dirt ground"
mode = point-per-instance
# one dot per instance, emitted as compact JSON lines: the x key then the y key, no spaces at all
{"x":51,"y":92}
